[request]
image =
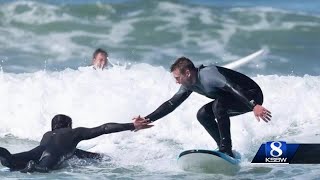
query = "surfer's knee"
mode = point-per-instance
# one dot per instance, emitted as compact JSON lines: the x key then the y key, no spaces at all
{"x":218,"y":110}
{"x":202,"y":116}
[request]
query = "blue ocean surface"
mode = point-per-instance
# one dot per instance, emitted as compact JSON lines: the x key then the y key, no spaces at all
{"x":45,"y":56}
{"x":55,"y":35}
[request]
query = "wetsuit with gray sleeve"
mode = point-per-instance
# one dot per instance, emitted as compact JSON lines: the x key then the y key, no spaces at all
{"x":215,"y":82}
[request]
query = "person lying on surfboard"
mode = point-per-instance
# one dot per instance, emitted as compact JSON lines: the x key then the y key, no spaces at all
{"x":60,"y":144}
{"x":233,"y":93}
{"x":19,"y":161}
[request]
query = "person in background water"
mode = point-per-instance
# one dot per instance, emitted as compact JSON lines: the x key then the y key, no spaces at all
{"x":99,"y":59}
{"x":233,"y":94}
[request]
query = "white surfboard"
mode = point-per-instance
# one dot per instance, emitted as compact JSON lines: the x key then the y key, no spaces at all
{"x":240,"y":62}
{"x":208,"y":161}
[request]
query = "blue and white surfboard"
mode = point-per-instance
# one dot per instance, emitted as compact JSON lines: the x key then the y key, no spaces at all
{"x":208,"y":161}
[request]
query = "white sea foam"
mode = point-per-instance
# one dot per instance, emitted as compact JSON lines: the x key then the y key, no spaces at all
{"x":29,"y":101}
{"x":92,"y":98}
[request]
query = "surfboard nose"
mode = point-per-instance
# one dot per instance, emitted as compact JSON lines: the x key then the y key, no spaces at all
{"x":208,"y":161}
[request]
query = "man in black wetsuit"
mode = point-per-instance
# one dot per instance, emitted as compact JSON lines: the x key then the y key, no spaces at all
{"x":233,"y":94}
{"x":19,"y":161}
{"x":60,"y":144}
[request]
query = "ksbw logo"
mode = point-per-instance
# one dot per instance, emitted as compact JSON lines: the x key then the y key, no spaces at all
{"x":276,"y":152}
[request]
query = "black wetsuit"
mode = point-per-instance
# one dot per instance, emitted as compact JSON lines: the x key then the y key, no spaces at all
{"x":58,"y":145}
{"x":19,"y":161}
{"x":234,"y":94}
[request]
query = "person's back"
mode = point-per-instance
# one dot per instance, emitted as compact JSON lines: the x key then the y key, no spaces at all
{"x":59,"y":142}
{"x":63,"y":141}
{"x":239,"y":79}
{"x":19,"y":161}
{"x":58,"y":145}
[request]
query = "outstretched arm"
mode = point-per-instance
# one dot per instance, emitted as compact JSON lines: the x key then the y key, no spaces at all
{"x":170,"y":105}
{"x":82,"y":133}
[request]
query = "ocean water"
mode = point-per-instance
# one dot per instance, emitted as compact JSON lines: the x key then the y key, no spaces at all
{"x":45,"y":53}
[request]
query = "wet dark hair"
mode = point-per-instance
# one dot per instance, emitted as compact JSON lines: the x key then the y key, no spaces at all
{"x":183,"y":64}
{"x":61,"y":121}
{"x":99,"y":50}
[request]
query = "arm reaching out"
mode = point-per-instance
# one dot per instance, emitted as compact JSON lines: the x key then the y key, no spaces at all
{"x":168,"y":106}
{"x":82,"y":133}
